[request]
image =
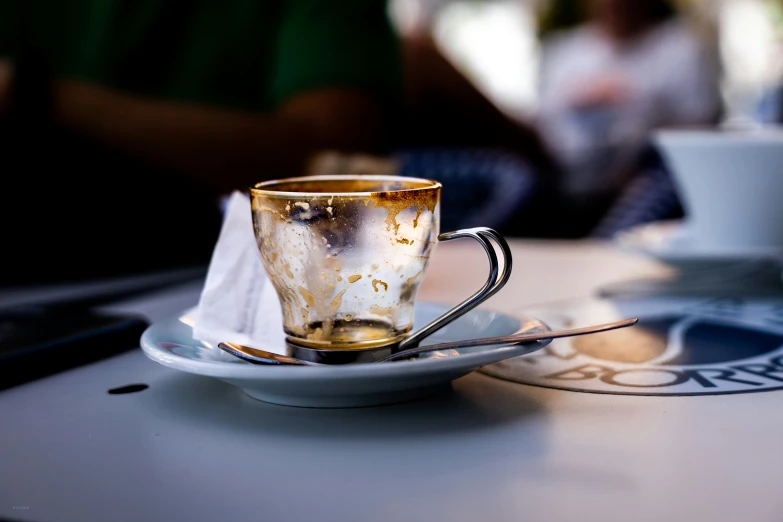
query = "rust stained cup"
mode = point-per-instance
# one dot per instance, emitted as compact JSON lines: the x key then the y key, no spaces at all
{"x":346,"y":255}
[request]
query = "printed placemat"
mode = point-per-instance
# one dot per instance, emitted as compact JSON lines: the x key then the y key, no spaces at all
{"x":679,"y":347}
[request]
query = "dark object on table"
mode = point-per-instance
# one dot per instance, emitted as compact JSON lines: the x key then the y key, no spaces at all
{"x":40,"y":340}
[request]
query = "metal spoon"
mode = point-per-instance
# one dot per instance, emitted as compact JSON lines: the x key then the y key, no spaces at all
{"x":257,"y":356}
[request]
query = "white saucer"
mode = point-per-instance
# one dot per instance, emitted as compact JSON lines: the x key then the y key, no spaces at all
{"x":170,"y":342}
{"x":669,"y":242}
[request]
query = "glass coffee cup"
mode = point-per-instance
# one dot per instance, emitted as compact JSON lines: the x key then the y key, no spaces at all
{"x":346,"y":255}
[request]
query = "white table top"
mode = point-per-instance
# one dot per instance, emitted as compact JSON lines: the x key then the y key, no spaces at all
{"x":192,"y":448}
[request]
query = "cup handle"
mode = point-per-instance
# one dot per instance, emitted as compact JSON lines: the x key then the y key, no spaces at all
{"x":495,"y":281}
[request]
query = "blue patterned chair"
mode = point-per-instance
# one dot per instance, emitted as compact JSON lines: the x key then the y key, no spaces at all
{"x":481,"y":187}
{"x":649,"y":196}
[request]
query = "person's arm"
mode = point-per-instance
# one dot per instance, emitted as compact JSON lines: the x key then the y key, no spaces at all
{"x":331,"y":73}
{"x":6,"y":74}
{"x":223,"y":149}
{"x":447,"y":109}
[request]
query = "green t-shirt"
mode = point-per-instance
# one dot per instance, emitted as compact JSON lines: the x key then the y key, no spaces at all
{"x":245,"y":54}
{"x":249,"y":54}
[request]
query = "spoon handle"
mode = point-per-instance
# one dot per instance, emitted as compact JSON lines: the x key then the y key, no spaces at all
{"x":511,"y":340}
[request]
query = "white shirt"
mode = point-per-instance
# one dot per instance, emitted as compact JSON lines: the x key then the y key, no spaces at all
{"x":667,"y":73}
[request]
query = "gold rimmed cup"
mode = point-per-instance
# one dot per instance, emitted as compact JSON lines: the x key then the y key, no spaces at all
{"x":346,"y":255}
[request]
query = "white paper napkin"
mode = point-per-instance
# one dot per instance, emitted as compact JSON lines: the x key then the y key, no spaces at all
{"x":238,"y":303}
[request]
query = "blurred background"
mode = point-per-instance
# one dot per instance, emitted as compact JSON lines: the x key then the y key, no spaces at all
{"x":528,"y":56}
{"x":497,"y":44}
{"x":537,"y":115}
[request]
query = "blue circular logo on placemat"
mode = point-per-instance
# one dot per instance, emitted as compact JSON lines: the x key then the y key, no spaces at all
{"x":677,"y":348}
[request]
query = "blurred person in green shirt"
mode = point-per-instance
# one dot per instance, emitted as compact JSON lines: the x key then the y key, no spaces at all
{"x":124,"y":121}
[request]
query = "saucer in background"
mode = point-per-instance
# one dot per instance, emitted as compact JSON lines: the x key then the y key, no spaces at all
{"x":669,"y":242}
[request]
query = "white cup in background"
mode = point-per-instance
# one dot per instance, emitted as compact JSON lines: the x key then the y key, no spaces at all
{"x":730,"y":183}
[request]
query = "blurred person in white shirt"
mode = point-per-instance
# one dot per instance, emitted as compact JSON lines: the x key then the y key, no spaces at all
{"x":631,"y":67}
